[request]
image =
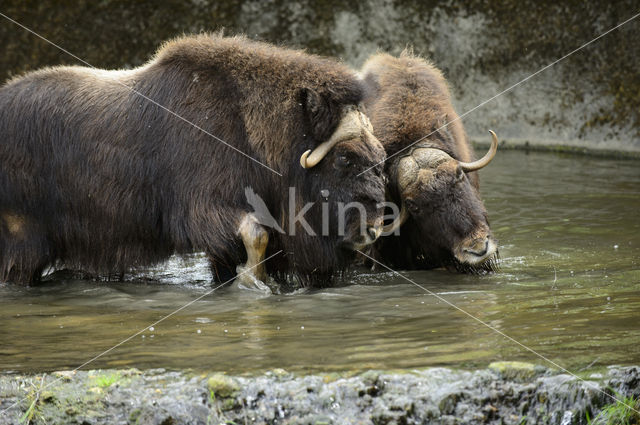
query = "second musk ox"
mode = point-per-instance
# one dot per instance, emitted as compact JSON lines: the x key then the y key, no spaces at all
{"x":443,"y":221}
{"x":100,"y":170}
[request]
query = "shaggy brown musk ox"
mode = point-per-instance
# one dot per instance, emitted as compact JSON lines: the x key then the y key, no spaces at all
{"x":443,"y":221}
{"x":97,"y":177}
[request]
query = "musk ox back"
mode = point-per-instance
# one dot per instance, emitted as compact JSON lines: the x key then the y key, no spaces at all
{"x":443,"y":221}
{"x":109,"y":170}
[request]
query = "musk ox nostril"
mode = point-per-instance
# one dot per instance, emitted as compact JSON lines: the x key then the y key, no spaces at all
{"x":479,"y":248}
{"x":485,"y":248}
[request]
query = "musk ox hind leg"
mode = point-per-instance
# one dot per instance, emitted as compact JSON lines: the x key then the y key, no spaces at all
{"x":255,"y":238}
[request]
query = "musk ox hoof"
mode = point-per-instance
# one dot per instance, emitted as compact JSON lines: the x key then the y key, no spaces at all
{"x":247,"y":281}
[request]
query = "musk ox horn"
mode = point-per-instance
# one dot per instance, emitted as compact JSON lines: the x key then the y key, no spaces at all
{"x":407,"y":173}
{"x":351,"y":126}
{"x":399,"y":221}
{"x":485,"y":160}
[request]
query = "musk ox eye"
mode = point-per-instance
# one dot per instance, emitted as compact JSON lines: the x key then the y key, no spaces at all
{"x":342,"y":162}
{"x":412,"y":206}
{"x":459,"y":174}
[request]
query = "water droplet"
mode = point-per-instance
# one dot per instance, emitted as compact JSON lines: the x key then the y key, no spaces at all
{"x":616,"y":247}
{"x":199,"y":331}
{"x":152,"y":329}
{"x":301,"y":327}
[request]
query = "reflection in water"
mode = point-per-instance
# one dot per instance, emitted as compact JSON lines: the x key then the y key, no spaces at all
{"x":569,"y":288}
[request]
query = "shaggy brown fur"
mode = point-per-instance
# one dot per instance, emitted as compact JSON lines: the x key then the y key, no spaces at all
{"x":408,"y":100}
{"x":96,"y":177}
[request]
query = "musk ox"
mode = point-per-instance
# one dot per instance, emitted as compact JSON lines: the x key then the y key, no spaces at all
{"x":443,"y":220}
{"x":105,"y":171}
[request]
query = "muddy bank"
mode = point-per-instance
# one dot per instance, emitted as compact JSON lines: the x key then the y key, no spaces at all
{"x":505,"y":393}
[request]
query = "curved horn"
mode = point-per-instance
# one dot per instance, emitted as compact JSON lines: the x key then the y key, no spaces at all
{"x":350,"y":126}
{"x":310,"y":159}
{"x":485,"y":160}
{"x":399,"y":221}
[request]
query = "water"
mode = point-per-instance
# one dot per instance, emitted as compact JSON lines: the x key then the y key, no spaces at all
{"x":569,"y":289}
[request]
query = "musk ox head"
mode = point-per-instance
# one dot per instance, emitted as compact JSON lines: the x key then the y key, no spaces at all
{"x":343,"y":210}
{"x":431,"y":170}
{"x":446,"y":219}
{"x":356,"y":199}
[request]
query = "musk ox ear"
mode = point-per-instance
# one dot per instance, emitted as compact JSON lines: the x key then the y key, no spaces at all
{"x":319,"y":114}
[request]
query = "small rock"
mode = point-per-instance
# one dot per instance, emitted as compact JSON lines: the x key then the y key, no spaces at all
{"x":517,"y":371}
{"x":370,"y":377}
{"x":65,"y":375}
{"x":222,"y":386}
{"x":280,"y":373}
{"x":48,"y":397}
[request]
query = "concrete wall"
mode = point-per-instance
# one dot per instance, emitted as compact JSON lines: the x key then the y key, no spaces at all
{"x":591,"y":99}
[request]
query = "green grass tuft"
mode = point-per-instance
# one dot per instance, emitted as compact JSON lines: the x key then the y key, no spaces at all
{"x":105,"y":381}
{"x":622,"y":412}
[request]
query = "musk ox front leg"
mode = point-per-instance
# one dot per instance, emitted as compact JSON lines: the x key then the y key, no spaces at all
{"x":253,"y":274}
{"x":24,"y":249}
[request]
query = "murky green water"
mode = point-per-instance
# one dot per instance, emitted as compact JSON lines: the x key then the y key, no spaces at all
{"x":569,"y":288}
